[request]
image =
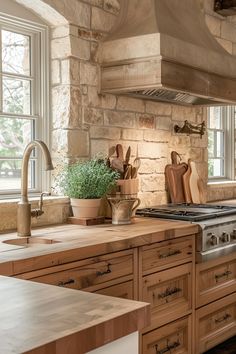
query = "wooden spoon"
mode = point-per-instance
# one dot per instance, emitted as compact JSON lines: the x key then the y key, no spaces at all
{"x":135,"y":167}
{"x":119,"y":152}
{"x":127,"y":155}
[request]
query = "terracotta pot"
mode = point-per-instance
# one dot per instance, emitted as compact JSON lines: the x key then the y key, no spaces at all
{"x":85,"y":208}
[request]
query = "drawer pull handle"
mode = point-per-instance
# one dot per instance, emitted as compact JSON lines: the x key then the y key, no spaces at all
{"x":168,"y":292}
{"x":106,"y":271}
{"x":168,"y":348}
{"x":64,"y":283}
{"x":225,"y":274}
{"x":224,"y":318}
{"x":169,"y":254}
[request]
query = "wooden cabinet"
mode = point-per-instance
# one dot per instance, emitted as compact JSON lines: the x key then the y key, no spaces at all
{"x":160,"y":273}
{"x":94,"y":274}
{"x":173,"y":338}
{"x":215,"y":323}
{"x":215,"y":279}
{"x":124,"y":290}
{"x":166,"y":281}
{"x":166,"y":254}
{"x":169,"y":292}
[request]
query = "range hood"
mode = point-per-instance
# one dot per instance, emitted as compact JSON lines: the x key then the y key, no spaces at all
{"x":163,"y":50}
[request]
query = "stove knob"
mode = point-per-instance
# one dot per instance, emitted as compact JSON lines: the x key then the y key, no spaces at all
{"x":224,"y":237}
{"x":233,"y":235}
{"x":213,"y":240}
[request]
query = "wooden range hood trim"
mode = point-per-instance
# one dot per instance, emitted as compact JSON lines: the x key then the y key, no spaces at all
{"x":208,"y":88}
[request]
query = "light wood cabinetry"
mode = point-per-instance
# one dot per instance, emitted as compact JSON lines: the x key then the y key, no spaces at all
{"x":173,"y":338}
{"x":100,"y":274}
{"x":165,"y":254}
{"x":166,"y":272}
{"x":215,"y":279}
{"x":215,"y":323}
{"x":169,"y":292}
{"x":215,"y":302}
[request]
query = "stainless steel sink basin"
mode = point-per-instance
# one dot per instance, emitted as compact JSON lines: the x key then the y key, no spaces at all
{"x":30,"y":241}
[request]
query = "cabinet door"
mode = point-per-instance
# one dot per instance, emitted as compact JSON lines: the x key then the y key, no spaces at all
{"x":124,"y":290}
{"x":215,"y":281}
{"x":215,"y":323}
{"x":169,"y":293}
{"x":174,"y":338}
{"x":167,"y":254}
{"x":94,"y":273}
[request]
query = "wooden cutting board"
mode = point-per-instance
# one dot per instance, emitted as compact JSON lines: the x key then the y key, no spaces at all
{"x":174,"y":179}
{"x":187,"y":191}
{"x":194,"y":183}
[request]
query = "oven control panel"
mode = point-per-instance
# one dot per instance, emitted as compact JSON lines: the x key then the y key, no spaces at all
{"x":218,"y":236}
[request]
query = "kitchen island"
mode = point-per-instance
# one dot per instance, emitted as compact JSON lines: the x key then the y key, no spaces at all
{"x":38,"y":318}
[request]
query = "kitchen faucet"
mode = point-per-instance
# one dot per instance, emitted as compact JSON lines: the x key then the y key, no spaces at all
{"x":24,"y":212}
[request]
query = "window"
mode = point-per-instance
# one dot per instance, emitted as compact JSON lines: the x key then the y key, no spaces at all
{"x":221,"y":142}
{"x":23,"y":105}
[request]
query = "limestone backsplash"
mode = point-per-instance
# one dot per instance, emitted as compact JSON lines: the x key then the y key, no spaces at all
{"x":85,"y":123}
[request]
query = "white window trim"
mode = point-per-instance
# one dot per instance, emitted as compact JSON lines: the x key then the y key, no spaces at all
{"x":228,"y":149}
{"x":43,"y":181}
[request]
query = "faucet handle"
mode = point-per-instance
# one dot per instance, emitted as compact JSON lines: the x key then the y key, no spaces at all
{"x":41,"y":201}
{"x":39,"y":211}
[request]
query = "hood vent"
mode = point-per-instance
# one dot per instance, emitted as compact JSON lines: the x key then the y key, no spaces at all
{"x":163,"y":50}
{"x":171,"y":96}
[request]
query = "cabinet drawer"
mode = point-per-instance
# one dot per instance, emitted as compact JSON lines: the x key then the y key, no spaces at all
{"x":169,"y":293}
{"x":214,"y":282}
{"x":93,"y":272}
{"x":124,"y":290}
{"x":175,"y":338}
{"x":215,"y":323}
{"x":166,"y":254}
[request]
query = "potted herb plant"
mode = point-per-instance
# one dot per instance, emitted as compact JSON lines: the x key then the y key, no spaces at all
{"x":86,"y":183}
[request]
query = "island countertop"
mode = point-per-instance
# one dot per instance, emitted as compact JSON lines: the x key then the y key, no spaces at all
{"x":79,"y":242}
{"x":39,"y":318}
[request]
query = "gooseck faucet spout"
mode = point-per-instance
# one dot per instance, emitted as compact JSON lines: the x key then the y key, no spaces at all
{"x":24,"y":212}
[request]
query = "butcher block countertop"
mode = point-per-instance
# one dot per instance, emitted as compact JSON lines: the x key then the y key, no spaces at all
{"x":76,"y":242}
{"x":45,"y":319}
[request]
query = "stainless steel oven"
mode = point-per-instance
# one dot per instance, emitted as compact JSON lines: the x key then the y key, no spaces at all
{"x":217,"y":225}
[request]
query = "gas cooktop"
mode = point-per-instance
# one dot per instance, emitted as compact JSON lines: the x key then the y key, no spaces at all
{"x":188,"y":212}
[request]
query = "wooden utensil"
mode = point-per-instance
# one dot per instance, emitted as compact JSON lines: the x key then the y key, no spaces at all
{"x":174,"y":178}
{"x":187,"y":191}
{"x":135,"y":167}
{"x":120,"y":152}
{"x":128,"y":172}
{"x":193,"y":183}
{"x":118,"y":165}
{"x":127,"y":155}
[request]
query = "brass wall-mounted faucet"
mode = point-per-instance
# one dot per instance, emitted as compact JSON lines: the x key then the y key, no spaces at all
{"x":24,"y":212}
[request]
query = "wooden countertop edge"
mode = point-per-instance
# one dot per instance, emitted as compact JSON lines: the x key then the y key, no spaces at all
{"x":98,"y":335}
{"x":70,"y":251}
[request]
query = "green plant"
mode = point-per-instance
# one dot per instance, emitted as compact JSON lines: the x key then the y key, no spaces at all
{"x":87,"y":180}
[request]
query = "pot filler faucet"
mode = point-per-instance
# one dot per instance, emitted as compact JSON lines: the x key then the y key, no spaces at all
{"x":24,"y":212}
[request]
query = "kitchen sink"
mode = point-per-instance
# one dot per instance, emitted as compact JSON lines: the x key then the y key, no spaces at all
{"x":30,"y":241}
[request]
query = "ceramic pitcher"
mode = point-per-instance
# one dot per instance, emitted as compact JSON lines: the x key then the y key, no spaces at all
{"x":122,"y":209}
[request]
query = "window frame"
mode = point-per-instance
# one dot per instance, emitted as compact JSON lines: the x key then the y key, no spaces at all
{"x":228,"y":120}
{"x":40,"y":93}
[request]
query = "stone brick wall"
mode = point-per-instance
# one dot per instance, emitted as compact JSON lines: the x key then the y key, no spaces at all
{"x":85,"y":122}
{"x":90,"y":123}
